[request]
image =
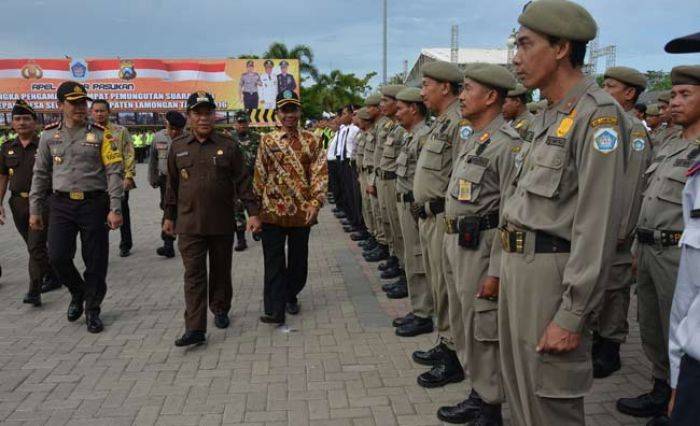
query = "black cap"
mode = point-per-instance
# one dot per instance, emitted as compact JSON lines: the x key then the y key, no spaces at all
{"x":200,"y":98}
{"x":175,"y":119}
{"x":686,"y":44}
{"x":268,"y":63}
{"x":71,"y":91}
{"x":242,"y":116}
{"x":284,"y":63}
{"x":21,"y":107}
{"x":287,"y":98}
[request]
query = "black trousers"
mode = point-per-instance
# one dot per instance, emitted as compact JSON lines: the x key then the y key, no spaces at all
{"x":162,"y":185}
{"x":67,"y":219}
{"x":250,"y":100}
{"x":125,"y":230}
{"x":332,"y":179}
{"x":686,"y":411}
{"x":285,"y":274}
{"x":352,"y":193}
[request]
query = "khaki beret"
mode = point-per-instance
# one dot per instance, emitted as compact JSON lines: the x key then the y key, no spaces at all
{"x":373,"y":99}
{"x":391,"y":90}
{"x":686,"y":74}
{"x":627,"y":75}
{"x":363,"y":114}
{"x":491,"y":75}
{"x":653,"y":110}
{"x":559,"y":18}
{"x":519,"y":90}
{"x":443,"y":71}
{"x":410,"y":94}
{"x":664,"y":96}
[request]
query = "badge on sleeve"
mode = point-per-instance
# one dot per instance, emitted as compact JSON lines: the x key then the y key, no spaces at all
{"x":638,"y":144}
{"x":465,"y":190}
{"x":565,"y":126}
{"x":91,"y":138}
{"x":465,"y":132}
{"x":605,"y":140}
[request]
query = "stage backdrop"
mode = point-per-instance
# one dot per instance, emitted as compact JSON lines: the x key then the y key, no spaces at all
{"x":148,"y":84}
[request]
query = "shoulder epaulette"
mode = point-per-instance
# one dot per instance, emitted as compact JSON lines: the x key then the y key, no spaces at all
{"x":510,"y":131}
{"x":602,"y":97}
{"x":52,"y":125}
{"x":464,"y":122}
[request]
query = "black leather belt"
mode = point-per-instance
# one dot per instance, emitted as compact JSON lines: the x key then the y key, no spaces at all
{"x":665,"y":237}
{"x":487,"y":221}
{"x":436,"y":207}
{"x":79,"y":196}
{"x":404,"y":198}
{"x":387,"y":175}
{"x":19,"y":194}
{"x":514,"y":242}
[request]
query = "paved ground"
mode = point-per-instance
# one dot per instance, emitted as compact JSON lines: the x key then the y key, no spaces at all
{"x":338,"y":362}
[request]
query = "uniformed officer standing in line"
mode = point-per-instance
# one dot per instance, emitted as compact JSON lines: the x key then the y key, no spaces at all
{"x":411,"y":112}
{"x":16,"y":164}
{"x":656,"y":249}
{"x":360,"y":119}
{"x":386,"y":191}
{"x":668,"y":128}
{"x":482,"y":174}
{"x":158,"y":168}
{"x":207,"y":173}
{"x":248,"y":141}
{"x":100,"y":114}
{"x":560,"y":224}
{"x":440,"y":88}
{"x":652,"y":118}
{"x":81,"y":164}
{"x":610,"y":326}
{"x":368,"y":118}
{"x":515,"y":110}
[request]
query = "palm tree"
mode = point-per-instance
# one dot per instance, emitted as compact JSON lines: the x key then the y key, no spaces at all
{"x":300,"y":52}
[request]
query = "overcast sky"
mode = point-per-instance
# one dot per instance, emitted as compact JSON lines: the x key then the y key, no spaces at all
{"x":343,"y":34}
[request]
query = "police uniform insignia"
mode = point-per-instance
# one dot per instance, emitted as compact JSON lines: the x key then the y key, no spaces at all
{"x":465,"y":190}
{"x":11,"y":172}
{"x":516,"y":149}
{"x":220,"y":152}
{"x":445,"y":126}
{"x":484,"y":137}
{"x":57,"y":136}
{"x":90,"y":137}
{"x":184,"y":174}
{"x":10,"y":152}
{"x":109,"y":152}
{"x":605,"y":140}
{"x":565,"y":126}
{"x":638,"y":144}
{"x":57,"y":160}
{"x":127,"y":70}
{"x":608,"y":121}
{"x":519,"y":125}
{"x":465,"y":132}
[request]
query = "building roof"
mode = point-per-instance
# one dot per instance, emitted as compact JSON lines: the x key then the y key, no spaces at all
{"x":464,"y":56}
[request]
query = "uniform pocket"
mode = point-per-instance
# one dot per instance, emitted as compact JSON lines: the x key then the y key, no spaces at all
{"x":546,"y":173}
{"x":183,"y":162}
{"x":672,"y":186}
{"x":485,"y":320}
{"x":567,"y":375}
{"x":467,"y":185}
{"x":434,"y":153}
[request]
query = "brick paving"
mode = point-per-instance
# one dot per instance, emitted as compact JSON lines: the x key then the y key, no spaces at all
{"x":338,"y":363}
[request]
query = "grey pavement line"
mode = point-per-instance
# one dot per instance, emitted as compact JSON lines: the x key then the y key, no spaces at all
{"x":369,"y":313}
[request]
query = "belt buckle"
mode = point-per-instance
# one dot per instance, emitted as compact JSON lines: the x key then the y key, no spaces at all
{"x":505,"y":240}
{"x":519,"y":242}
{"x":24,"y":194}
{"x":77,"y":196}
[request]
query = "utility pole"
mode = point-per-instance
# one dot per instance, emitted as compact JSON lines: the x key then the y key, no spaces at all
{"x":454,"y":45}
{"x":384,"y":19}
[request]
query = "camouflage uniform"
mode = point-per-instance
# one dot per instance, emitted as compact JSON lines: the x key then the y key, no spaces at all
{"x":249,"y":146}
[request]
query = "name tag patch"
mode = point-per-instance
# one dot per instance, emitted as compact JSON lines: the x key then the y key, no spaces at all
{"x":555,"y":141}
{"x":605,"y":140}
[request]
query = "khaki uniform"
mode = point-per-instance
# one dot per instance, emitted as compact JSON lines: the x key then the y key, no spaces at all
{"x":611,"y":315}
{"x":387,"y":187}
{"x":429,"y":186}
{"x":563,"y":227}
{"x":371,"y":147}
{"x":362,"y":179}
{"x":420,"y":292}
{"x":522,"y":124}
{"x":382,"y":129}
{"x":482,"y":173}
{"x":662,"y":134}
{"x":658,"y":257}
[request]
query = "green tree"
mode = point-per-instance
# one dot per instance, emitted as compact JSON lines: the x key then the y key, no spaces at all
{"x":248,"y":56}
{"x":658,"y":80}
{"x":301,"y":52}
{"x":333,"y":91}
{"x":396,"y":79}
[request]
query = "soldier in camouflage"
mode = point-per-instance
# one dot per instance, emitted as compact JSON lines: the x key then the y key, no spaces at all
{"x":248,"y":142}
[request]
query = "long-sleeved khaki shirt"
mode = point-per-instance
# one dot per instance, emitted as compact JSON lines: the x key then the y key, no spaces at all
{"x":408,"y":157}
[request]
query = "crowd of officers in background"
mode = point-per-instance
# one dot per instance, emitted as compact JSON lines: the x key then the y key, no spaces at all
{"x":517,"y":228}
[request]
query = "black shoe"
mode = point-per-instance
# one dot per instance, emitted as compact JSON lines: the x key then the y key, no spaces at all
{"x":447,"y":370}
{"x":335,"y":210}
{"x":32,"y":299}
{"x":293,"y":308}
{"x":649,"y":404}
{"x":390,"y":263}
{"x":659,"y":421}
{"x":368,"y":244}
{"x":241,"y":244}
{"x":269,"y":319}
{"x":348,"y":229}
{"x":191,"y":338}
{"x":345,"y":222}
{"x":75,"y":310}
{"x":124,"y":252}
{"x":165,"y":251}
{"x":221,"y":321}
{"x":382,"y":253}
{"x":431,"y":356}
{"x":388,"y":287}
{"x":391,"y":273}
{"x":94,"y":323}
{"x":415,"y":328}
{"x":359,"y":236}
{"x":398,"y":322}
{"x":340,"y":215}
{"x":375,"y":248}
{"x":400,"y":291}
{"x":490,"y":415}
{"x":463,"y":412}
{"x":50,"y":283}
{"x":606,"y":359}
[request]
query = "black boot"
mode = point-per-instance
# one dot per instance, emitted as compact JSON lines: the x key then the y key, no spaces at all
{"x":93,"y":321}
{"x":463,"y":412}
{"x":167,"y":250}
{"x":191,"y":338}
{"x":390,"y":263}
{"x":391,"y":273}
{"x":416,"y":327}
{"x":382,"y":253}
{"x":649,"y":404}
{"x":241,"y":243}
{"x":32,"y":299}
{"x":398,"y":322}
{"x":606,"y":359}
{"x":399,"y":291}
{"x":430,"y":357}
{"x":359,"y":236}
{"x":490,"y":415}
{"x":447,"y":370}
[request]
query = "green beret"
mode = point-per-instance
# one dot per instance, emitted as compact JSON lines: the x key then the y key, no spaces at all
{"x":627,"y":75}
{"x":519,"y":90}
{"x":363,"y":114}
{"x":664,"y":96}
{"x":491,"y":75}
{"x":373,"y":99}
{"x":559,"y":18}
{"x":443,"y":71}
{"x":410,"y":94}
{"x":653,"y":110}
{"x":686,"y":74}
{"x":391,"y":90}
